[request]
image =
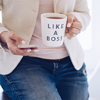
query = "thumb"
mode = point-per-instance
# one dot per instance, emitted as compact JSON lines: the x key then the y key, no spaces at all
{"x":70,"y":19}
{"x":18,"y":39}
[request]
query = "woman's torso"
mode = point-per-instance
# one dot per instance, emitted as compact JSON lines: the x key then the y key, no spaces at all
{"x":46,"y":52}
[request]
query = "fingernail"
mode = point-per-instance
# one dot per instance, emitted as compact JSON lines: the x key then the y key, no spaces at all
{"x":69,"y":25}
{"x":29,"y":50}
{"x":23,"y":42}
{"x":36,"y":50}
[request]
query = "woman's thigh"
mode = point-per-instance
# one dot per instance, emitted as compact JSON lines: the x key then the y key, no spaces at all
{"x":72,"y":84}
{"x":29,"y":82}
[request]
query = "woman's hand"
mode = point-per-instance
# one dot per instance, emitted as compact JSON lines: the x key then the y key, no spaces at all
{"x":73,"y":26}
{"x":13,"y":40}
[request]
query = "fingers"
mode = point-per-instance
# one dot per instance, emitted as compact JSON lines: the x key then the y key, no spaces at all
{"x":68,"y":36}
{"x":74,"y":26}
{"x":17,"y":38}
{"x":77,"y":25}
{"x":16,"y":51}
{"x":70,"y":19}
{"x":24,"y":52}
{"x":13,"y":40}
{"x":72,"y":32}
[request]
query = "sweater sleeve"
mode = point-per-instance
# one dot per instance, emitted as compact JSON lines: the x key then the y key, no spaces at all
{"x":2,"y":28}
{"x":81,"y":11}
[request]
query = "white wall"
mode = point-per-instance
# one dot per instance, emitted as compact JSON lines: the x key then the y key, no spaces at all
{"x":90,"y":39}
{"x":92,"y":55}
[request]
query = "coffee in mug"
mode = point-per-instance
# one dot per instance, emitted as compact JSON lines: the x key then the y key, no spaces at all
{"x":53,"y":29}
{"x":55,"y":17}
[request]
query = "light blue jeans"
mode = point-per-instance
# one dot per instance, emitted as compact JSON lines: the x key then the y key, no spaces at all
{"x":40,"y":79}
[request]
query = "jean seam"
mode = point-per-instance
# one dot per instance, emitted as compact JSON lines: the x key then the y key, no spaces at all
{"x":13,"y":87}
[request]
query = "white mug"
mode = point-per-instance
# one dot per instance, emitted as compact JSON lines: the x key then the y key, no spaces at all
{"x":53,"y":29}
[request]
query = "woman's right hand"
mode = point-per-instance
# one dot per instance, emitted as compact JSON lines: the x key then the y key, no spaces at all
{"x":13,"y":40}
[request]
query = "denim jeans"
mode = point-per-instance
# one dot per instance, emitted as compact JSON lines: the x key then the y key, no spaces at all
{"x":41,"y":79}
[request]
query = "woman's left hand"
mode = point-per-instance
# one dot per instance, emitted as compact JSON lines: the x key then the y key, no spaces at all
{"x":73,"y":26}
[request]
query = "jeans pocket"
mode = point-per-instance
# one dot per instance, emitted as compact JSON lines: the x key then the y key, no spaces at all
{"x":83,"y":70}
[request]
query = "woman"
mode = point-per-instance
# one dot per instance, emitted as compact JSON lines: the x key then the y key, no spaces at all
{"x":43,"y":73}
